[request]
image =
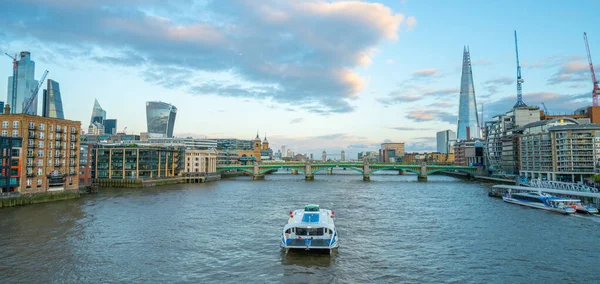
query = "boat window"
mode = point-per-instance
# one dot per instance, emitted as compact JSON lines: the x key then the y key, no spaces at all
{"x":293,"y":230}
{"x":301,"y":231}
{"x":287,"y":231}
{"x":309,"y":232}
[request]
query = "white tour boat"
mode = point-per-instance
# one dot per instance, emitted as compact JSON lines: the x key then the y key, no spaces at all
{"x":542,"y":201}
{"x":310,"y":228}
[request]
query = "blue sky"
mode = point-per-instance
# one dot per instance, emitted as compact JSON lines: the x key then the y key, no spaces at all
{"x":312,"y":75}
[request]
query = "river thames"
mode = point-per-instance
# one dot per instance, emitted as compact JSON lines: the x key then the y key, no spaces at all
{"x":392,"y":229}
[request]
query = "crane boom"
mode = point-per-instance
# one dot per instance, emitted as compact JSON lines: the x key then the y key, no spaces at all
{"x":520,"y":80}
{"x":596,"y":89}
{"x":27,"y":106}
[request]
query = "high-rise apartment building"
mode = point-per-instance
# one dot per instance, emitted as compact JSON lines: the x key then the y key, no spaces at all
{"x":445,"y":141}
{"x":468,"y":121}
{"x":52,"y":102}
{"x":160,"y":118}
{"x":25,"y":84}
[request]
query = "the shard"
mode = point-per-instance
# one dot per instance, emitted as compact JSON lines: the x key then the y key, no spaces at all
{"x":468,"y":120}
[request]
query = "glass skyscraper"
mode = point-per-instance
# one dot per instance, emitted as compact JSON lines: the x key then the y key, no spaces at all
{"x":52,"y":102}
{"x":98,"y":114}
{"x":160,"y":118}
{"x":25,"y":85}
{"x":468,"y":120}
{"x":110,"y":126}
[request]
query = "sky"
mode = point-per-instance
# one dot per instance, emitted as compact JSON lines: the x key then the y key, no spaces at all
{"x":311,"y":75}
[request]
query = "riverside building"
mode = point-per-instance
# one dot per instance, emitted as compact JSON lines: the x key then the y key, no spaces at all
{"x":49,"y":155}
{"x":560,"y":149}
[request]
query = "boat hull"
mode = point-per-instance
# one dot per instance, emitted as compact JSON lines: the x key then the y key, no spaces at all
{"x":564,"y":210}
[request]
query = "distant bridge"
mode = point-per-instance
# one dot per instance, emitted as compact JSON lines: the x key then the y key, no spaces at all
{"x":309,"y":169}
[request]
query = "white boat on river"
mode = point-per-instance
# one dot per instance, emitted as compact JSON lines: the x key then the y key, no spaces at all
{"x":310,"y":228}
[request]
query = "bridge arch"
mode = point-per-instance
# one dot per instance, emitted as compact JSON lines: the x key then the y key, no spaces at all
{"x":238,"y":169}
{"x":320,"y":168}
{"x":394,"y":169}
{"x":471,"y":172}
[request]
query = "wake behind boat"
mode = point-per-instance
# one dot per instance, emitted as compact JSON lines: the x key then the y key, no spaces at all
{"x":310,"y":228}
{"x":541,"y":200}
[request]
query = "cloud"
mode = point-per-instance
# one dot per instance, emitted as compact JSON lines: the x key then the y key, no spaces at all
{"x":404,"y":128}
{"x":426,"y":73}
{"x":283,"y":46}
{"x":571,"y":71}
{"x":296,"y":120}
{"x":422,"y":115}
{"x":441,"y":104}
{"x":411,"y":22}
{"x":492,"y":86}
{"x":389,"y":61}
{"x":555,"y":102}
{"x":415,"y":93}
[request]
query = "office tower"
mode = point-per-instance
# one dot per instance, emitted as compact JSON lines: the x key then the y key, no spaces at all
{"x":110,"y":126}
{"x":98,"y":114}
{"x":52,"y":102}
{"x":468,"y":121}
{"x":161,"y":118}
{"x":283,"y":152}
{"x":445,"y":141}
{"x":1,"y":106}
{"x":25,"y":84}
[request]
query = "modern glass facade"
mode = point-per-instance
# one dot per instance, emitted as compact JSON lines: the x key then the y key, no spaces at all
{"x":110,"y":126}
{"x":98,"y":114}
{"x":136,"y":162}
{"x":25,"y":84}
{"x":160,"y":118}
{"x":52,"y":106}
{"x":10,"y":168}
{"x":468,"y":120}
{"x":445,"y":141}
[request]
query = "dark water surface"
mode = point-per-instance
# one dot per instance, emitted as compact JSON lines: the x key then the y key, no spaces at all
{"x":392,"y":230}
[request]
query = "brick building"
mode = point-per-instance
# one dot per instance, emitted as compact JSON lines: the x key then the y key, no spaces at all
{"x":48,"y":159}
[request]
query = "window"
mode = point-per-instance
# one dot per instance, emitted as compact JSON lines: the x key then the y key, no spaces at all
{"x":39,"y":182}
{"x":50,"y":127}
{"x":41,"y":135}
{"x":15,"y":124}
{"x":42,"y":126}
{"x":39,"y":173}
{"x":5,"y":124}
{"x":50,"y":143}
{"x":31,"y":125}
{"x":40,"y":153}
{"x":15,"y":133}
{"x":51,"y":135}
{"x":40,"y":144}
{"x":28,"y":182}
{"x":49,"y":162}
{"x":40,"y":163}
{"x":4,"y":133}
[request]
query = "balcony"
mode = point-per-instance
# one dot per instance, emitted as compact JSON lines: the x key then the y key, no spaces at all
{"x":58,"y":164}
{"x":58,"y":138}
{"x":58,"y":147}
{"x":59,"y":130}
{"x":30,"y":175}
{"x":31,"y":145}
{"x":30,"y":155}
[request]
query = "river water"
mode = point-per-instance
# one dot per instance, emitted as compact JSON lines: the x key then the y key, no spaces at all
{"x":392,"y":229}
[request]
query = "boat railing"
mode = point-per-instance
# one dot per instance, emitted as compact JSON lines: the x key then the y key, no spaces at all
{"x":561,"y":185}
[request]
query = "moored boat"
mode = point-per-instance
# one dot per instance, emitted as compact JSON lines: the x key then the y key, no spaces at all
{"x":543,"y":201}
{"x":310,"y":228}
{"x":585,"y":209}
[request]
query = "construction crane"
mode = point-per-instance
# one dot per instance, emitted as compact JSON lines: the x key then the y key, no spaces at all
{"x":520,"y":81}
{"x":125,"y":130}
{"x":596,"y":89}
{"x":29,"y":103}
{"x":545,"y":108}
{"x":14,"y":80}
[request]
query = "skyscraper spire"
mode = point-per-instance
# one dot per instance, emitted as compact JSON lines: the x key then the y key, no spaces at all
{"x":468,"y":120}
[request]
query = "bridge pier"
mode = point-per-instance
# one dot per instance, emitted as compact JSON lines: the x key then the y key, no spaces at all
{"x":308,"y":173}
{"x":401,"y":172}
{"x":329,"y":171}
{"x":257,"y":175}
{"x":366,"y":171}
{"x":294,"y":172}
{"x":423,"y":174}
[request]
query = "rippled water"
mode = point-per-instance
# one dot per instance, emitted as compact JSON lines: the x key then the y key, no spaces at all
{"x":392,"y":229}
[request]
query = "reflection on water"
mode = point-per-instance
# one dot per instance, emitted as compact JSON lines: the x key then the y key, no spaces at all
{"x":392,"y":230}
